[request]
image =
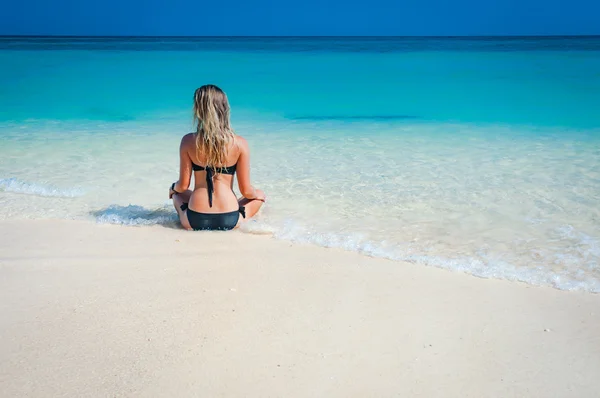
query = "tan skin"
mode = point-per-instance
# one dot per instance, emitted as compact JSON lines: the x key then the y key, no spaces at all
{"x":224,"y":199}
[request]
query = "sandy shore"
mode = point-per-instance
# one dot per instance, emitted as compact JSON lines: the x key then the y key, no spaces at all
{"x":88,"y":310}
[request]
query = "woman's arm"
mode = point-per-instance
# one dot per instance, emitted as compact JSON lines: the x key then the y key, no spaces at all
{"x":243,"y":172}
{"x":185,"y":164}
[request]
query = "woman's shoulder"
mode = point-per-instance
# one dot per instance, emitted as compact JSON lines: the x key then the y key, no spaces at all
{"x":188,"y":139}
{"x":241,"y":142}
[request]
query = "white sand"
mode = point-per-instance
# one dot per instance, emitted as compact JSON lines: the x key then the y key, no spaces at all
{"x":89,"y":310}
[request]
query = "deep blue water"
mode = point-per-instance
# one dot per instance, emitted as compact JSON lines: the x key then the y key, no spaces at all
{"x":533,"y":81}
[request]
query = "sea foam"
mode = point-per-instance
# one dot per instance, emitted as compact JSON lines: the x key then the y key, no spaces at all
{"x":16,"y":185}
{"x":135,"y":215}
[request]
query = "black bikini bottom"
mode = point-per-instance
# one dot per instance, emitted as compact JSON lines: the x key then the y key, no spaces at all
{"x":213,"y":221}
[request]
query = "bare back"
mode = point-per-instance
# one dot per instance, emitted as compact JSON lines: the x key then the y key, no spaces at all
{"x":223,"y":197}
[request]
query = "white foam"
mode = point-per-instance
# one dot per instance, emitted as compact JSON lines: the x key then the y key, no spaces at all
{"x":134,"y":215}
{"x":483,"y":266}
{"x":15,"y":185}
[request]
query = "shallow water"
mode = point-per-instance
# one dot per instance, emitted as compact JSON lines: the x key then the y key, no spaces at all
{"x":479,"y":156}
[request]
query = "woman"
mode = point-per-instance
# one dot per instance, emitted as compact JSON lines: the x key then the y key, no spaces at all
{"x":214,"y":153}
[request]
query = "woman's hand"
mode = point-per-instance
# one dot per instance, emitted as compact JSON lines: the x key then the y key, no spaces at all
{"x":258,"y":195}
{"x":171,"y":191}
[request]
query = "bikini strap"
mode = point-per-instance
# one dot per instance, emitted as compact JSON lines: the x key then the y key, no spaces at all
{"x":209,"y":184}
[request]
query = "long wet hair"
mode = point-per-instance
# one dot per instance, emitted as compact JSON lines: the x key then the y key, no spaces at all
{"x":214,"y":132}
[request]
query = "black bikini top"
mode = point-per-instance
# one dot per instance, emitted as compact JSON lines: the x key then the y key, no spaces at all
{"x":210,"y":171}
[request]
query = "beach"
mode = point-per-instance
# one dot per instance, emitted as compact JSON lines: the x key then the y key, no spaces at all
{"x":432,"y":224}
{"x":104,"y":310}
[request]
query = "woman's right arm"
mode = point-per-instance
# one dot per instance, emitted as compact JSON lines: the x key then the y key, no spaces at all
{"x":243,"y":172}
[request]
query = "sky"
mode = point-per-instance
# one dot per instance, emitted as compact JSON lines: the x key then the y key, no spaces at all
{"x":299,"y":17}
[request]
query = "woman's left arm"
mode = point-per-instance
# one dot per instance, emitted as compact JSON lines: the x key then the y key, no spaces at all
{"x":185,"y":165}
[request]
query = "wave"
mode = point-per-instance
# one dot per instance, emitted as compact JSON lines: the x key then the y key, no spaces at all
{"x":483,"y":266}
{"x":15,"y":185}
{"x":135,"y":215}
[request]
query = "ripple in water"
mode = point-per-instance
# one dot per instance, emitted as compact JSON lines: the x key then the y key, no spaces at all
{"x":135,"y":215}
{"x":15,"y":185}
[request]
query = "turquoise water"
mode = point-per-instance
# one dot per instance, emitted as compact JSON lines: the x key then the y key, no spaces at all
{"x":478,"y":155}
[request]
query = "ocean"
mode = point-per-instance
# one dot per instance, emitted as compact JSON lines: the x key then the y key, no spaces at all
{"x":479,"y":155}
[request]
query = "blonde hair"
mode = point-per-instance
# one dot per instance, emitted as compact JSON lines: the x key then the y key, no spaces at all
{"x":214,"y":132}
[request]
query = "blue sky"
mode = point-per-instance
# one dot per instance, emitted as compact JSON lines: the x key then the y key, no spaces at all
{"x":299,"y":17}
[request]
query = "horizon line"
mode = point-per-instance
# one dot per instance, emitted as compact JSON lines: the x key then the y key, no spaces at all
{"x":294,"y":37}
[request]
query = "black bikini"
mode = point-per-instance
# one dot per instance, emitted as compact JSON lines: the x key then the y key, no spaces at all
{"x":213,"y":221}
